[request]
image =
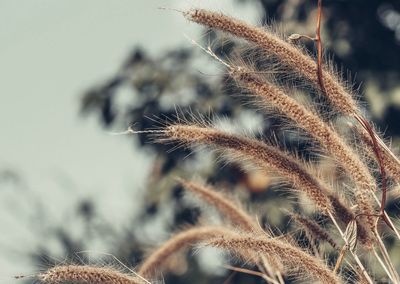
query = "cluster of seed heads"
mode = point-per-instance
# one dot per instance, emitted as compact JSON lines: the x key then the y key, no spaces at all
{"x":352,"y":214}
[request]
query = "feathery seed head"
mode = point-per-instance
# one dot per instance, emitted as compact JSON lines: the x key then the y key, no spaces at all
{"x":154,"y":262}
{"x":314,"y":230}
{"x":292,"y":257}
{"x":262,"y":155}
{"x":288,"y":54}
{"x":228,"y":208}
{"x":87,"y":275}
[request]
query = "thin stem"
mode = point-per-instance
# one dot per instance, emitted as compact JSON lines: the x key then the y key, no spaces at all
{"x":340,"y":258}
{"x":387,"y":218}
{"x":251,"y":272}
{"x":358,"y":261}
{"x":375,"y":147}
{"x":269,"y":270}
{"x":382,"y":264}
{"x":385,"y":255}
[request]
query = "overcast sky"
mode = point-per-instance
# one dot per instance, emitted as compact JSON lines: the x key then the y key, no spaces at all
{"x":50,"y":53}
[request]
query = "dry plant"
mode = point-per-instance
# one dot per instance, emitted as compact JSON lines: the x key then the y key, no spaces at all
{"x":353,"y":204}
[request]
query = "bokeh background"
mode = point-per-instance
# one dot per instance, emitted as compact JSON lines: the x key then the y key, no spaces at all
{"x":73,"y":72}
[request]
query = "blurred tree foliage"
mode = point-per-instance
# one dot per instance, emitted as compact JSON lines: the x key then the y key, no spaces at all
{"x":363,"y":36}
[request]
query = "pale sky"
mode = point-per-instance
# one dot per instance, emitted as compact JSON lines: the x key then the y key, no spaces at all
{"x":50,"y":52}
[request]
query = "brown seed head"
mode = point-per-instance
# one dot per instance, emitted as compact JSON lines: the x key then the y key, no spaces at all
{"x":294,"y":258}
{"x":319,"y":130}
{"x":154,"y":262}
{"x":287,"y":53}
{"x":228,"y":208}
{"x":264,"y":156}
{"x":87,"y":275}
